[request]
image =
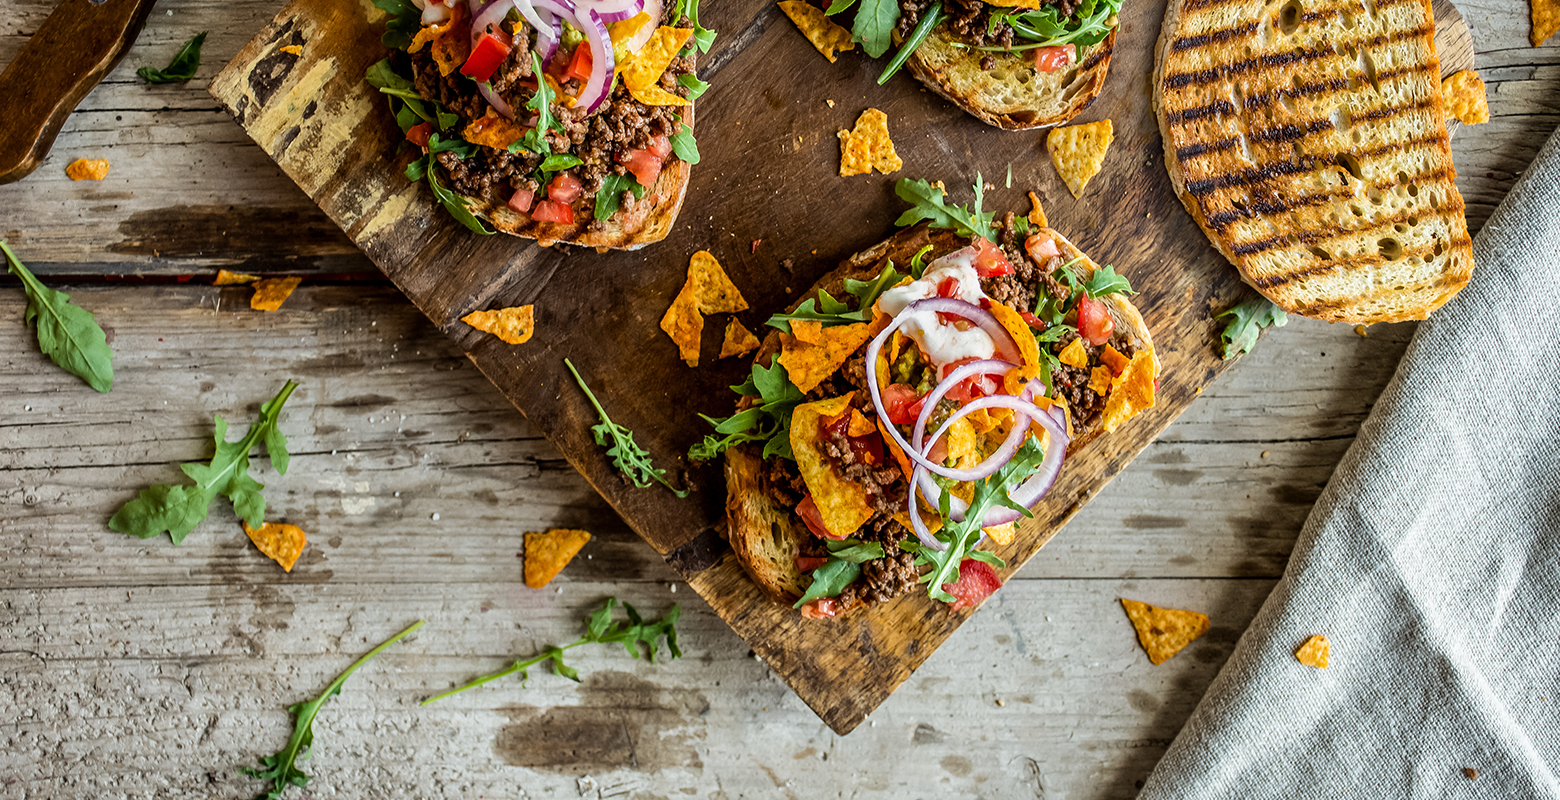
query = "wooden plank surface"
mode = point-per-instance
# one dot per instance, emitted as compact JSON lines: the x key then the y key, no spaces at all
{"x":331,"y":133}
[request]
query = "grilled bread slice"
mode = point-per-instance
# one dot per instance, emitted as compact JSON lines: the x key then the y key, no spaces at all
{"x":1012,"y":95}
{"x":1306,"y":138}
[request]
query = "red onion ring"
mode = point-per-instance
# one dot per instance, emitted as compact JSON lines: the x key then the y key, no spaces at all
{"x":1007,"y":349}
{"x":603,"y":8}
{"x":603,"y":62}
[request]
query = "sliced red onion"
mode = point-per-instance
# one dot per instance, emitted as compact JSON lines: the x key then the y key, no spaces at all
{"x":602,"y":65}
{"x":605,"y":7}
{"x":484,"y":15}
{"x":1007,"y":349}
{"x":1028,"y":493}
{"x":989,"y":366}
{"x":638,"y":40}
{"x":548,"y":29}
{"x":498,"y":104}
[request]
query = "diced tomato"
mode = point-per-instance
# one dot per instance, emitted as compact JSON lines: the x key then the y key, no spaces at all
{"x":1041,"y":247}
{"x":643,"y":163}
{"x":808,"y":511}
{"x":565,"y":188}
{"x":661,"y":146}
{"x":977,"y":580}
{"x":1032,"y":321}
{"x":552,"y":211}
{"x":1051,"y":59}
{"x":868,"y":449}
{"x":579,"y":64}
{"x":972,"y":387}
{"x":808,"y":563}
{"x":939,"y":452}
{"x":1094,"y":322}
{"x":990,"y":261}
{"x":418,"y":134}
{"x":902,"y":403}
{"x":521,"y":200}
{"x":487,"y":55}
{"x":822,"y":608}
{"x":949,"y":287}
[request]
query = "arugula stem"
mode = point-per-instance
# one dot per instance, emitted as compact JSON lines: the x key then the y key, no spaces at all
{"x":342,"y":678}
{"x":588,"y":393}
{"x":923,"y":29}
{"x":518,"y":666}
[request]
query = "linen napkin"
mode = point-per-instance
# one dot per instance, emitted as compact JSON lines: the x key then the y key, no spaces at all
{"x":1431,"y":562}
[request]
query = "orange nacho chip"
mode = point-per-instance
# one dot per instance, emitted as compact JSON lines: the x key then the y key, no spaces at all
{"x":225,"y":278}
{"x":899,"y":456}
{"x":1114,"y":359}
{"x":1546,"y":20}
{"x":1074,"y":355}
{"x":546,"y":554}
{"x":87,"y":169}
{"x":294,"y":49}
{"x":513,"y":325}
{"x":1002,"y":534}
{"x":1078,"y":151}
{"x":807,"y":331}
{"x":859,"y":424}
{"x":643,"y":70}
{"x":271,"y":293}
{"x":1315,"y":652}
{"x":868,"y":147}
{"x":281,"y":543}
{"x":809,"y":364}
{"x":492,"y":130}
{"x":1037,"y":211}
{"x":842,"y":504}
{"x":707,"y":291}
{"x":1465,"y":100}
{"x":824,"y":34}
{"x":1099,"y":379}
{"x":1028,"y":347}
{"x":451,"y":44}
{"x":1014,"y":3}
{"x":739,"y":340}
{"x":1163,"y":632}
{"x":623,"y":30}
{"x":1132,"y":391}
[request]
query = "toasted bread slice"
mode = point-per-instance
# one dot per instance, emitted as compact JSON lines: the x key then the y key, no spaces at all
{"x":1012,"y":95}
{"x":766,"y":537}
{"x":1307,"y":139}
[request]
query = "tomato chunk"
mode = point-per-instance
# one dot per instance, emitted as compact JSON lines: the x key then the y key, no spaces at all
{"x":552,"y":211}
{"x":418,"y":134}
{"x":521,"y":200}
{"x":643,"y":163}
{"x":808,"y":511}
{"x":822,"y":608}
{"x":1041,"y":247}
{"x":1033,"y":321}
{"x":949,"y":287}
{"x":1051,"y":59}
{"x":565,"y":188}
{"x":977,"y":580}
{"x":487,"y":55}
{"x":660,"y":146}
{"x":579,"y":64}
{"x":1094,"y":322}
{"x":972,"y":387}
{"x":990,"y":261}
{"x":902,"y":403}
{"x":809,"y":563}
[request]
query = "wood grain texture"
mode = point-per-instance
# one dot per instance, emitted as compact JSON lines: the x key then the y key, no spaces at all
{"x":329,"y":131}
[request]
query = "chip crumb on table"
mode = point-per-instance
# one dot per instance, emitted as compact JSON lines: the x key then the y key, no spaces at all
{"x":1316,"y":652}
{"x":1472,"y":773}
{"x":1463,"y":93}
{"x":87,"y":169}
{"x":281,"y":543}
{"x":546,"y":554}
{"x":1546,"y":20}
{"x":513,"y":325}
{"x":1078,"y":151}
{"x":707,"y":290}
{"x":271,"y":293}
{"x":1163,"y":632}
{"x":868,"y":146}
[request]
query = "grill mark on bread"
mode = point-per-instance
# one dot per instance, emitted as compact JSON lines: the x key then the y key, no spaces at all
{"x":1385,"y":112}
{"x":1097,"y":56}
{"x":1247,"y":177}
{"x":1416,"y":69}
{"x":1220,"y":221}
{"x":1192,"y":151}
{"x":1261,"y":63}
{"x":1201,"y":112}
{"x":1313,"y":237}
{"x":1290,"y":133}
{"x":1213,"y":37}
{"x":1281,"y":279}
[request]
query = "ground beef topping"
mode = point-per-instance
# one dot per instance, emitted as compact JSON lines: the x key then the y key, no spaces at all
{"x":971,"y":20}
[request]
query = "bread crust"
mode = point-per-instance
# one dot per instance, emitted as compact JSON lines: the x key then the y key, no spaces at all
{"x":765,"y":537}
{"x":1050,"y":99}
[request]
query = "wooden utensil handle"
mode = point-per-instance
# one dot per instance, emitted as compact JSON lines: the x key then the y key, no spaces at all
{"x":76,"y":46}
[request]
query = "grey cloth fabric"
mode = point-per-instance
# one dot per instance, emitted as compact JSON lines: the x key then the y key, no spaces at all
{"x":1432,"y":563}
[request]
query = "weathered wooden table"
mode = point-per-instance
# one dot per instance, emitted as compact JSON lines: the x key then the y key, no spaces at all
{"x":141,"y":669}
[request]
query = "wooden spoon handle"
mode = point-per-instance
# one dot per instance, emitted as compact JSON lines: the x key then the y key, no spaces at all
{"x":76,"y":46}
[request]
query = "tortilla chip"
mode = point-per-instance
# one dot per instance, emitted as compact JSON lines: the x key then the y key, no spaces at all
{"x":707,"y":291}
{"x":1002,"y":534}
{"x":868,"y":147}
{"x":295,"y":49}
{"x":824,"y":34}
{"x":451,"y":42}
{"x":1465,"y":100}
{"x":1074,"y":355}
{"x":963,"y":444}
{"x":1078,"y":151}
{"x":809,"y":364}
{"x":513,"y":325}
{"x":225,"y":278}
{"x":1132,"y":391}
{"x":899,"y":455}
{"x":623,"y":30}
{"x":1037,"y":212}
{"x":1546,"y":20}
{"x":546,"y":554}
{"x":739,"y":340}
{"x":1315,"y":652}
{"x":807,"y":331}
{"x":271,"y":293}
{"x":643,"y":70}
{"x":492,"y":130}
{"x":1099,"y":379}
{"x":1114,"y":359}
{"x":859,"y":424}
{"x":1163,"y":632}
{"x":87,"y":169}
{"x":1028,"y":347}
{"x":281,"y":543}
{"x":842,"y":504}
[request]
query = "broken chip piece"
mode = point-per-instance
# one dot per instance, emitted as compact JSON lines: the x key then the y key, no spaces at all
{"x":1074,"y":355}
{"x":513,"y":325}
{"x":843,"y":505}
{"x":294,"y":49}
{"x":808,"y":365}
{"x":1315,"y":652}
{"x":1163,"y":632}
{"x":1078,"y":151}
{"x":1546,"y":20}
{"x":824,"y":34}
{"x":87,"y":169}
{"x":546,"y":554}
{"x":1037,"y":211}
{"x":642,"y":72}
{"x":281,"y":543}
{"x":868,"y":147}
{"x":1131,"y":392}
{"x":492,"y":130}
{"x":225,"y":278}
{"x":271,"y":293}
{"x":1465,"y":100}
{"x":707,"y":291}
{"x":739,"y":340}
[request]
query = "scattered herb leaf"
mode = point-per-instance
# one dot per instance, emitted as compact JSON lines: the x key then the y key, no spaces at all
{"x":684,"y":146}
{"x":768,"y":422}
{"x":181,"y":68}
{"x":830,"y":311}
{"x":1250,"y":318}
{"x":926,"y":203}
{"x":629,"y":458}
{"x":67,"y":333}
{"x":405,"y":22}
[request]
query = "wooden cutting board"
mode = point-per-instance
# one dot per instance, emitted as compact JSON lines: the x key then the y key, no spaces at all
{"x":768,"y":201}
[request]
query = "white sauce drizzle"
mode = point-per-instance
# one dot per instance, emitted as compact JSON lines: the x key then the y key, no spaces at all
{"x":942,"y":343}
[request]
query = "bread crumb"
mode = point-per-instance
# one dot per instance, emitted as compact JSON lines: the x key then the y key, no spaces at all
{"x":1472,"y":773}
{"x":830,"y":102}
{"x":1360,"y":329}
{"x":1265,"y":453}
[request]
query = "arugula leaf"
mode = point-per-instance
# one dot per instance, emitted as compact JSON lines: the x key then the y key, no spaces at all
{"x":768,"y":422}
{"x":961,"y":535}
{"x":696,"y":87}
{"x":829,"y":580}
{"x":684,"y":145}
{"x":1106,"y":281}
{"x":1250,"y":318}
{"x":181,"y":68}
{"x":926,"y":203}
{"x":874,"y":25}
{"x":1044,"y":27}
{"x":535,"y":140}
{"x":837,"y":6}
{"x":452,"y":202}
{"x":408,"y":106}
{"x":282,"y":769}
{"x":177,"y":509}
{"x":854,"y":550}
{"x":600,"y":628}
{"x":609,"y":198}
{"x":629,"y":458}
{"x":559,"y":162}
{"x":703,"y":38}
{"x":830,"y":311}
{"x":67,"y":333}
{"x":917,"y":269}
{"x":405,"y":21}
